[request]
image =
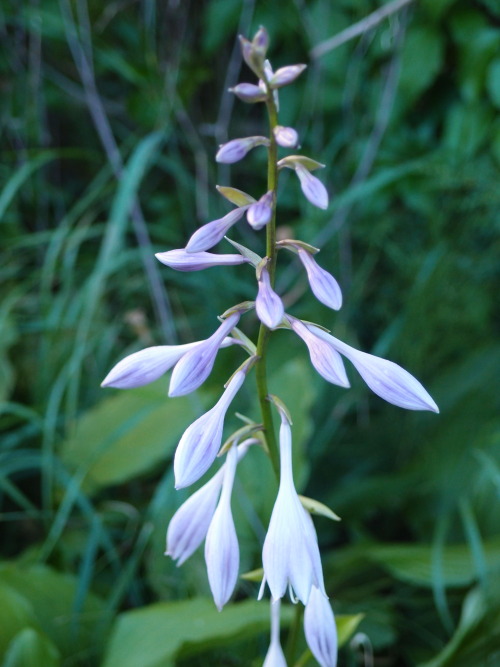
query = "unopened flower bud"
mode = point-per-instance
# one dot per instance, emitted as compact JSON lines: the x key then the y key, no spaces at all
{"x":236,"y":149}
{"x":285,"y":75}
{"x":253,"y":57}
{"x":286,"y":136}
{"x":260,"y":41}
{"x":259,"y":214}
{"x":248,"y":92}
{"x":312,"y":187}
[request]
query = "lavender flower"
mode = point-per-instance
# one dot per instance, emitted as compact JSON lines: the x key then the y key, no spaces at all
{"x":285,"y":75}
{"x":210,"y":234}
{"x":312,"y":187}
{"x":286,"y":136}
{"x":259,"y":214}
{"x":320,"y":629}
{"x":180,"y":260}
{"x":274,"y":655}
{"x":290,"y":555}
{"x":268,"y":304}
{"x":196,"y":365}
{"x":385,"y":378}
{"x":222,"y":554}
{"x":235,"y":150}
{"x":324,"y":286}
{"x":325,"y":359}
{"x":200,"y":443}
{"x":145,"y":366}
{"x":189,"y":525}
{"x":248,"y":92}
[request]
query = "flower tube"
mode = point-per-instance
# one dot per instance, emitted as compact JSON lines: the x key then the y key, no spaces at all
{"x":201,"y":441}
{"x":180,"y":260}
{"x":268,"y":304}
{"x":290,"y":555}
{"x":196,"y":365}
{"x":222,"y":553}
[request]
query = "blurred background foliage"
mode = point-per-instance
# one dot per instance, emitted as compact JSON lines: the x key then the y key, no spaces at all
{"x":111,"y":114}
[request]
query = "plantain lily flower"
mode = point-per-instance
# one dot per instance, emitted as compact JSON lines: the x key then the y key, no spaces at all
{"x":320,"y":629}
{"x":210,"y":234}
{"x":196,"y":365}
{"x":385,"y":378}
{"x":222,"y":553}
{"x":274,"y":655}
{"x":268,"y":304}
{"x":290,"y":555}
{"x":180,"y":260}
{"x":235,"y":150}
{"x":323,"y":285}
{"x":312,"y":188}
{"x":201,"y":441}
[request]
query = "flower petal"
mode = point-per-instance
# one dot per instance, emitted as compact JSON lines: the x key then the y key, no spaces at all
{"x":320,"y":629}
{"x":145,"y":366}
{"x":193,"y":369}
{"x":201,"y":441}
{"x":312,"y":187}
{"x":180,"y":260}
{"x":323,"y":285}
{"x":385,"y":378}
{"x":268,"y":304}
{"x":210,"y":234}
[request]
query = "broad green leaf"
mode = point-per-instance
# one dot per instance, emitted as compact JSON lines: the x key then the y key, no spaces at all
{"x":493,"y":82}
{"x":418,"y":72}
{"x":346,"y":626}
{"x":30,"y":648}
{"x":414,"y":563}
{"x":155,"y":636}
{"x":49,"y":599}
{"x":126,"y":435}
{"x":467,"y":128}
{"x":16,"y":613}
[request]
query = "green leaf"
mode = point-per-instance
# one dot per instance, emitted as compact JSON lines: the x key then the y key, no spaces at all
{"x":346,"y":626}
{"x":466,"y":128}
{"x":414,"y":563}
{"x":16,"y":613}
{"x":421,"y":62}
{"x":315,"y":507}
{"x":127,"y":435}
{"x":49,"y":599}
{"x":30,"y":648}
{"x":156,"y":635}
{"x":235,"y":196}
{"x":493,"y":82}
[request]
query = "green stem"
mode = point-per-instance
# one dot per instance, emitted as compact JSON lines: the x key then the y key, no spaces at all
{"x":264,"y":332}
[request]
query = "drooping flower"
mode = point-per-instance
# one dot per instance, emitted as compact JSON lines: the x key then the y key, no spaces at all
{"x":268,"y":304}
{"x":145,"y":366}
{"x":291,"y":554}
{"x":222,"y":553}
{"x":201,"y":441}
{"x":180,"y":260}
{"x":285,"y":75}
{"x":189,"y":525}
{"x":323,"y":285}
{"x":248,"y":92}
{"x":259,"y":214}
{"x":385,"y":378}
{"x":196,"y":365}
{"x":320,"y":629}
{"x":236,"y":149}
{"x":210,"y":234}
{"x":312,"y":187}
{"x":286,"y":136}
{"x":325,"y":359}
{"x":274,"y":655}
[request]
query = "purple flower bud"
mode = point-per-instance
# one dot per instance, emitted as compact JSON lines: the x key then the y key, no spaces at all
{"x":201,"y":441}
{"x":268,"y":304}
{"x":259,"y":214}
{"x":385,"y":378}
{"x":260,"y":42}
{"x":275,"y":656}
{"x":236,"y":149}
{"x":320,"y":629}
{"x":291,"y":554}
{"x":193,"y":369}
{"x":254,"y":59}
{"x":222,"y":553}
{"x":312,"y":187}
{"x":210,"y":234}
{"x":248,"y":92}
{"x":286,"y":136}
{"x":324,"y":358}
{"x":145,"y":366}
{"x":189,"y":525}
{"x":285,"y":75}
{"x":180,"y":260}
{"x":324,"y":286}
